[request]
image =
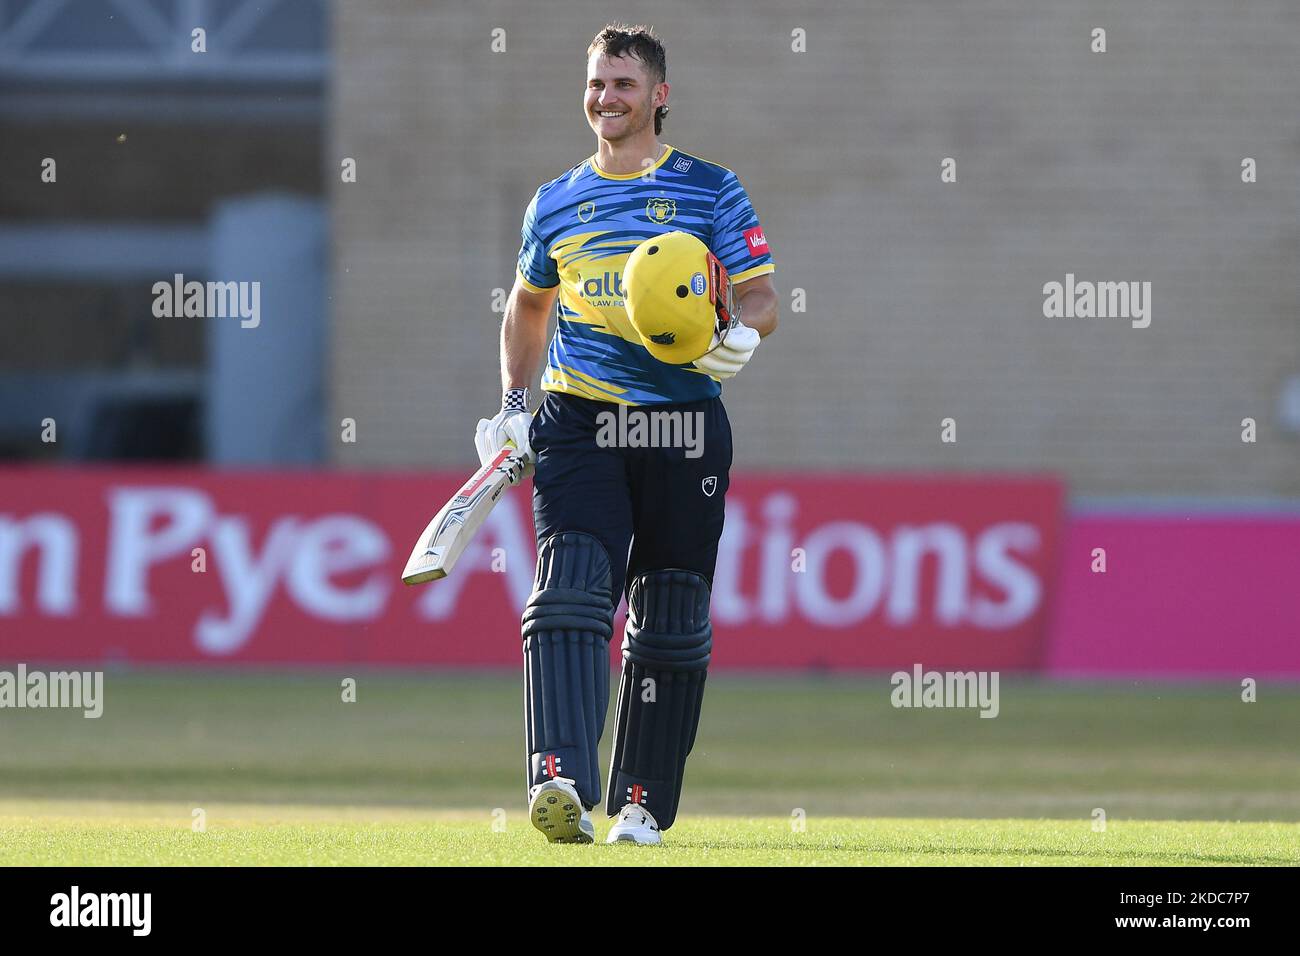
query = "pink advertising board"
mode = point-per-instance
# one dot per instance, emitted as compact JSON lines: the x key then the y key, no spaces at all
{"x":1187,"y":596}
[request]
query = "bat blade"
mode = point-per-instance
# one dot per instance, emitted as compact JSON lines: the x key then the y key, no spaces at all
{"x":445,"y":537}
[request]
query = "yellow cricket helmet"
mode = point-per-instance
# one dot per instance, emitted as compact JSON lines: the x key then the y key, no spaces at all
{"x":677,"y":294}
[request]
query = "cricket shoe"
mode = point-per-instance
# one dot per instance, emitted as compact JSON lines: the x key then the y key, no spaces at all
{"x":635,"y":824}
{"x":556,"y":810}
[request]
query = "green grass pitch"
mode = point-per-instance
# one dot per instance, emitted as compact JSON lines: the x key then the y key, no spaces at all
{"x":789,"y":771}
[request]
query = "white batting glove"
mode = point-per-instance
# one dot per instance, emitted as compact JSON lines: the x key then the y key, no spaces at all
{"x":725,"y":360}
{"x":508,"y":426}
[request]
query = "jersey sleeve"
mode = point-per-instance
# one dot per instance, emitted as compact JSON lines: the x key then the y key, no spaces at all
{"x":536,"y":268}
{"x":738,"y":239}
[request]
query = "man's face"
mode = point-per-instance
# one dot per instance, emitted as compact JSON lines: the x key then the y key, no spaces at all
{"x":620,"y":100}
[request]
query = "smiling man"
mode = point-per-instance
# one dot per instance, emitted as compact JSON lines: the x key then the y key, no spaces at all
{"x":623,"y":517}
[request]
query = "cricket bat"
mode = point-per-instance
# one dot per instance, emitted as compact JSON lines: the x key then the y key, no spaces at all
{"x":450,"y":530}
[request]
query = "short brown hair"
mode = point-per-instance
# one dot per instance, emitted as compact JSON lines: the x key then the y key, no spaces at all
{"x":619,"y":39}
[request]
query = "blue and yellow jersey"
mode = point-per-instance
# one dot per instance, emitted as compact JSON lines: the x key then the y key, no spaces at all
{"x":578,"y":233}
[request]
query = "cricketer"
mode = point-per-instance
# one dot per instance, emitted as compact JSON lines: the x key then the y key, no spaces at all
{"x":663,"y":280}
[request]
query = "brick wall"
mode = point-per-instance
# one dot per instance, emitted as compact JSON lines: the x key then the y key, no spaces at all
{"x":924,"y":300}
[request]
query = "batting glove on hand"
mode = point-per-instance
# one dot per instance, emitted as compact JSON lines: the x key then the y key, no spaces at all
{"x":728,"y":355}
{"x":508,"y":427}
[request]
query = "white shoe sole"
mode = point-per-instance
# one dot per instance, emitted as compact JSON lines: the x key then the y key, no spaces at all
{"x":650,"y":839}
{"x":558,"y":815}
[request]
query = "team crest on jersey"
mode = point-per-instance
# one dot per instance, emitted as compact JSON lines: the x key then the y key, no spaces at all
{"x":586,"y":210}
{"x":661,"y":210}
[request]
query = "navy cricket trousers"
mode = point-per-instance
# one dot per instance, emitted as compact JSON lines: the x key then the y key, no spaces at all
{"x":665,"y":501}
